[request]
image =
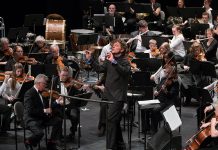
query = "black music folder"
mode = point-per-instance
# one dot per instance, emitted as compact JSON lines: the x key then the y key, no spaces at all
{"x":40,"y":57}
{"x":191,"y":12}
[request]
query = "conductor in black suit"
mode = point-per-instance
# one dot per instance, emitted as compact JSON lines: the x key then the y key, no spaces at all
{"x":117,"y":68}
{"x":37,"y":115}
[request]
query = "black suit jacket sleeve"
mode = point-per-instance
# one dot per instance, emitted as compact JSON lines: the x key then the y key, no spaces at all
{"x":33,"y":105}
{"x":122,"y":67}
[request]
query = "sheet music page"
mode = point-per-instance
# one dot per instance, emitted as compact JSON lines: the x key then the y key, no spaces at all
{"x":172,"y":118}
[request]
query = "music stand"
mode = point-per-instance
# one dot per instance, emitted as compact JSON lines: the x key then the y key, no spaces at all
{"x":197,"y":28}
{"x":40,"y":57}
{"x":79,"y":99}
{"x":191,"y":12}
{"x":33,"y":20}
{"x":37,"y":69}
{"x":142,"y":55}
{"x":153,"y":64}
{"x":173,"y":11}
{"x":50,"y":69}
{"x":173,"y":121}
{"x":142,"y":8}
{"x":26,"y":86}
{"x":109,"y":21}
{"x":17,"y":33}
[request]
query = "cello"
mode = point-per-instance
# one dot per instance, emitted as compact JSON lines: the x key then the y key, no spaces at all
{"x":196,"y":140}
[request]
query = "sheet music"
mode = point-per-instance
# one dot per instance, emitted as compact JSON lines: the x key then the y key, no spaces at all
{"x":172,"y":118}
{"x":148,"y":103}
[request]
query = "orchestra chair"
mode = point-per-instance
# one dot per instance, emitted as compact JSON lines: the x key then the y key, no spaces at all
{"x":18,"y":112}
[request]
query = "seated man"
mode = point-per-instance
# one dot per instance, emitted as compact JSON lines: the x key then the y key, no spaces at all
{"x":37,"y":115}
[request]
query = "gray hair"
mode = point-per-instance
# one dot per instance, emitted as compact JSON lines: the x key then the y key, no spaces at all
{"x":54,"y":46}
{"x":142,"y":23}
{"x":40,"y":78}
{"x":4,"y":40}
{"x":39,"y":38}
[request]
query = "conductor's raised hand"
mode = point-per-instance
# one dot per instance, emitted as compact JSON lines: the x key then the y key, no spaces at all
{"x":110,"y":57}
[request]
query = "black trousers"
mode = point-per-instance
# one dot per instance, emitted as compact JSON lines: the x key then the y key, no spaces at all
{"x":73,"y":115}
{"x":102,"y":115}
{"x":37,"y":127}
{"x":114,"y":132}
{"x":6,"y":112}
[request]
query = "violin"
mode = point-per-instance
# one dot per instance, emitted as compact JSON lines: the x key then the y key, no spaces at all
{"x":73,"y":83}
{"x":59,"y":61}
{"x":25,"y":78}
{"x":47,"y":93}
{"x":201,"y":57}
{"x":8,"y":52}
{"x":155,"y":52}
{"x":25,"y":59}
{"x":2,"y":75}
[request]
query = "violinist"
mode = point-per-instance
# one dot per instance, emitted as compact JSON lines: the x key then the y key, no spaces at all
{"x":56,"y":58}
{"x":167,"y":93}
{"x":168,"y":58}
{"x":18,"y":57}
{"x":40,"y":45}
{"x":6,"y":52}
{"x":10,"y":92}
{"x":188,"y":80}
{"x":5,"y":111}
{"x":153,"y":50}
{"x":63,"y":85}
{"x":36,"y":116}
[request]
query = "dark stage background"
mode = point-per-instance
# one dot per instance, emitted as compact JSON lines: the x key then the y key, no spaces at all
{"x":71,"y":10}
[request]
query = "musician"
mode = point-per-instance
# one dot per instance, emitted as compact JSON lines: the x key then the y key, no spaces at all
{"x":210,"y":46}
{"x":180,"y":4}
{"x":11,"y":91}
{"x":118,"y":69}
{"x":205,"y":19}
{"x":168,"y":58}
{"x":37,"y":115}
{"x":212,"y":87}
{"x":63,"y":85}
{"x":136,"y":45}
{"x":6,"y":52}
{"x":208,"y":9}
{"x":18,"y":57}
{"x":55,"y":57}
{"x":119,"y":26}
{"x":213,"y":130}
{"x":215,"y":32}
{"x":40,"y":45}
{"x":195,"y":53}
{"x":176,"y":44}
{"x":5,"y":111}
{"x":18,"y":53}
{"x":164,"y":48}
{"x":153,"y":50}
{"x":166,"y":93}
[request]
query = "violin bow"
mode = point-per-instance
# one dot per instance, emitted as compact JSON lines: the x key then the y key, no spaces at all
{"x":50,"y":97}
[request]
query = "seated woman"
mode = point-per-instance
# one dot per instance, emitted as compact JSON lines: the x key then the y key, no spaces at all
{"x":11,"y":91}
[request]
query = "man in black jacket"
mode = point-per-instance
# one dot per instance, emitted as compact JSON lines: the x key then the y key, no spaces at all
{"x":117,"y":68}
{"x":37,"y":115}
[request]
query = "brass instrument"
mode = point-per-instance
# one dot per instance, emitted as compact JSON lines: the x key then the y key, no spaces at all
{"x":141,"y":16}
{"x":175,"y":20}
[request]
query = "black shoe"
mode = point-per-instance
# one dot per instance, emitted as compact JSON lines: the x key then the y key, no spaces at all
{"x":101,"y":132}
{"x":52,"y":146}
{"x":28,"y":146}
